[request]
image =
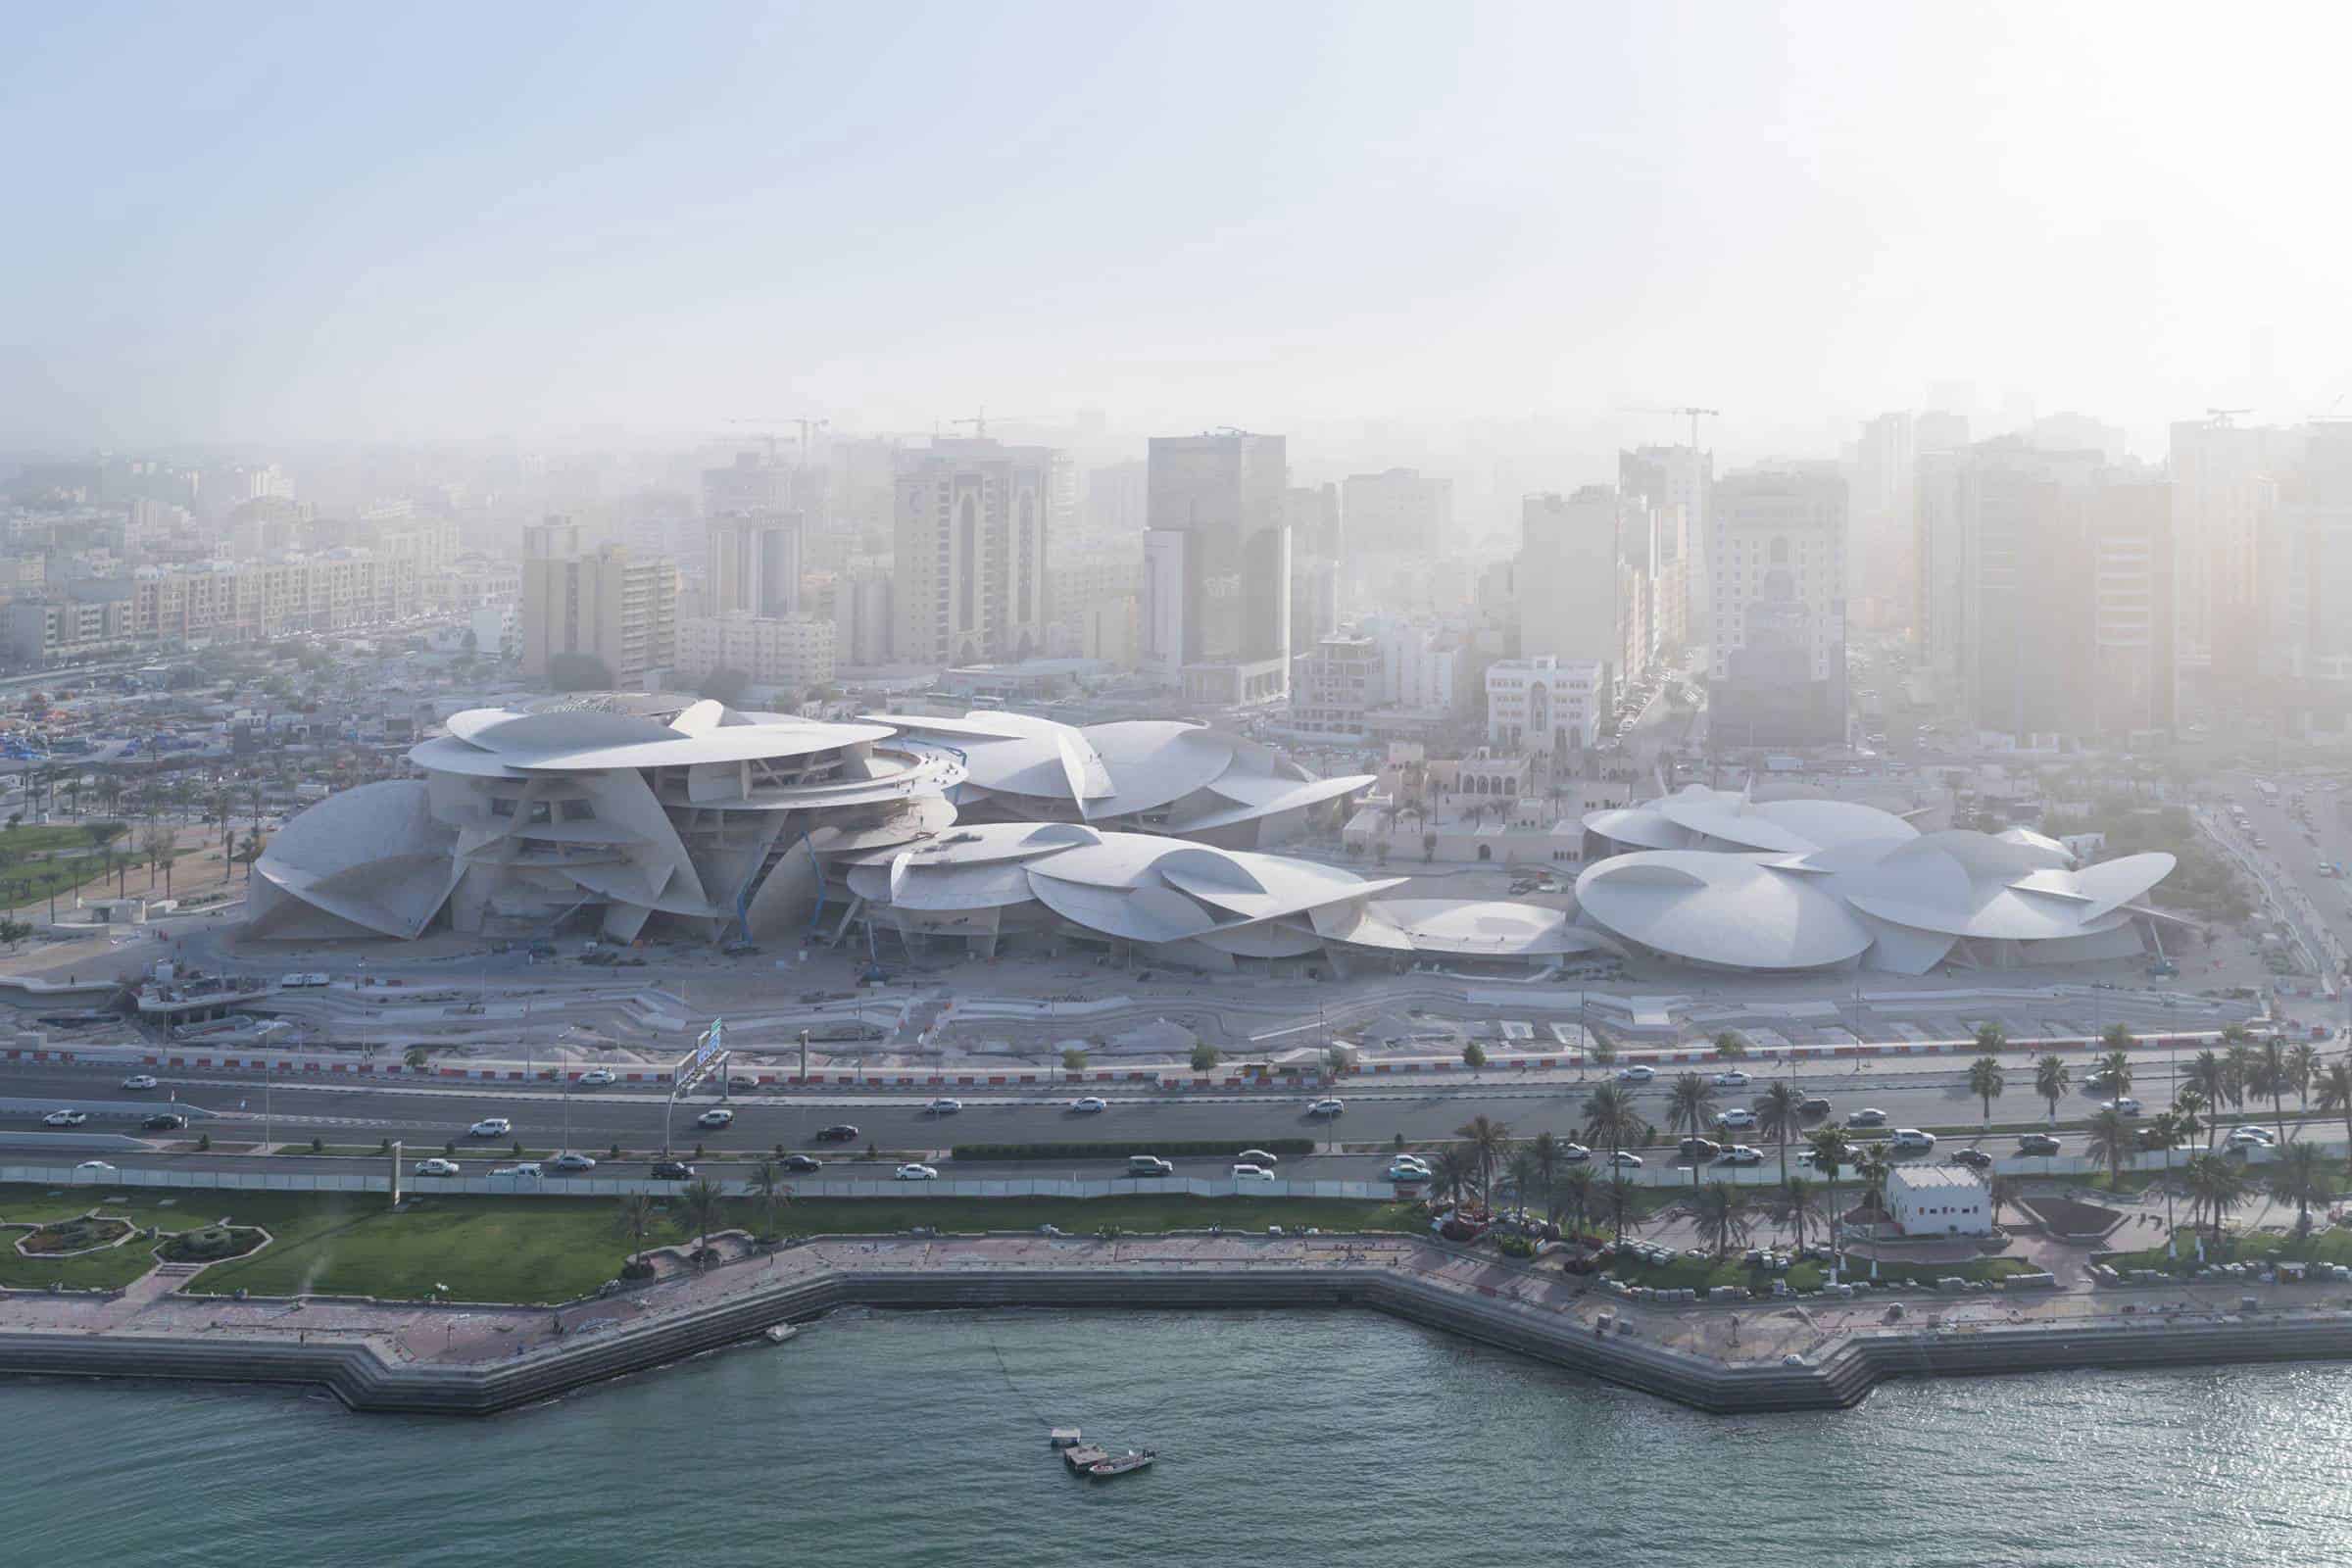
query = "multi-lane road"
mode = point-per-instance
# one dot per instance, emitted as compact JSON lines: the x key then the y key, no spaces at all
{"x":237,"y":1109}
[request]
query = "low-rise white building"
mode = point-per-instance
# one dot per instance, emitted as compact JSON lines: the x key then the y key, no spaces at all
{"x":1938,"y":1200}
{"x":1544,"y":706}
{"x":781,"y":651}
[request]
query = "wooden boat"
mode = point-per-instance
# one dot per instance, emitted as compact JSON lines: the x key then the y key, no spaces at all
{"x":1122,"y":1464}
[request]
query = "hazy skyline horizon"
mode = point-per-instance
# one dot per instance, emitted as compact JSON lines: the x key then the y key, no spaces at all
{"x":340,"y":227}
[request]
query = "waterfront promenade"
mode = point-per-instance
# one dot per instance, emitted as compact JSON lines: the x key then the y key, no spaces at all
{"x":1820,"y":1351}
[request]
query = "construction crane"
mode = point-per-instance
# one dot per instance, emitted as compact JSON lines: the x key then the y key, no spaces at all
{"x":806,"y":429}
{"x":1694,"y":413}
{"x":2220,"y":418}
{"x":979,"y":423}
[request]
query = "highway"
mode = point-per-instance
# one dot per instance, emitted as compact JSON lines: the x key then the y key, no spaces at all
{"x":1924,"y":1092}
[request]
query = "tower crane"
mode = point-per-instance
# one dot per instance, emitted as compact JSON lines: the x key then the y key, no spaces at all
{"x":808,"y":428}
{"x":1694,"y":413}
{"x":2220,"y":418}
{"x":979,"y":423}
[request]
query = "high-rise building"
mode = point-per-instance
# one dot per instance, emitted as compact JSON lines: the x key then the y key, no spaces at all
{"x":1115,"y":498}
{"x":1884,"y":521}
{"x":1216,"y":612}
{"x":1313,"y":513}
{"x":1675,"y":482}
{"x":2226,"y":482}
{"x":2129,"y":560}
{"x":753,"y":483}
{"x":1572,"y":588}
{"x":1776,"y":552}
{"x":755,"y":565}
{"x":611,"y":606}
{"x":1400,"y":511}
{"x":974,"y":518}
{"x":862,"y":623}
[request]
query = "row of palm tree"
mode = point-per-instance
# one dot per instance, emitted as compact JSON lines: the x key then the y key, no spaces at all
{"x":705,"y":1203}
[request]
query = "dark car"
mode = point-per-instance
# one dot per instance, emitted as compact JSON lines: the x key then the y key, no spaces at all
{"x":164,"y":1121}
{"x":841,"y":1132}
{"x":1813,"y":1106}
{"x":1700,"y":1149}
{"x":1973,"y":1158}
{"x":2038,"y":1144}
{"x":740,"y":1085}
{"x":802,"y":1162}
{"x":674,"y":1170}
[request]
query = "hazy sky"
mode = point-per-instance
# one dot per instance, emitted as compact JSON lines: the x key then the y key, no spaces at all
{"x":421,"y":221}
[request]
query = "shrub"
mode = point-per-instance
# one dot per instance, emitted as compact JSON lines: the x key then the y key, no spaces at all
{"x":318,"y":1146}
{"x":204,"y":1141}
{"x":1516,"y":1247}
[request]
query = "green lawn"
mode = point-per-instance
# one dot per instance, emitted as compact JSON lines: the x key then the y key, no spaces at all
{"x":2329,"y":1247}
{"x":553,"y":1250}
{"x":107,"y":1270}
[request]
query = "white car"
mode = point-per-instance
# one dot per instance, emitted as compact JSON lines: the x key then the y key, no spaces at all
{"x":1636,"y":1075}
{"x":915,"y":1173}
{"x":93,"y":1169}
{"x":598,"y":1077}
{"x":1090,"y":1104}
{"x":1327,"y":1108}
{"x":1741,"y":1155}
{"x":140,"y":1080}
{"x":437,"y":1167}
{"x":1258,"y":1157}
{"x":291,"y":982}
{"x":1733,"y":1078}
{"x":716,"y":1116}
{"x":490,"y":1127}
{"x":1912,"y":1138}
{"x":528,"y":1171}
{"x":1251,"y":1173}
{"x":1736,"y":1117}
{"x":2125,"y":1106}
{"x":1574,"y":1153}
{"x":65,"y":1118}
{"x":944,"y":1106}
{"x":1625,"y":1159}
{"x":2252,"y":1137}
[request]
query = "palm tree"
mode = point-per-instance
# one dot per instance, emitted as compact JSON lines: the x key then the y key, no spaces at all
{"x":2112,"y":1140}
{"x":2116,"y":1068}
{"x":1691,"y":1110}
{"x":2001,"y":1192}
{"x":1611,"y":1121}
{"x":2302,"y":1069}
{"x":2335,"y":1095}
{"x":1576,"y":1190}
{"x":1801,"y":1203}
{"x":1779,"y":1118}
{"x":1543,"y":1160}
{"x":1620,"y":1198}
{"x":1451,"y":1171}
{"x":2269,"y":1074}
{"x":635,"y":1221}
{"x":767,"y":1183}
{"x":2209,"y":1077}
{"x":2239,"y":1064}
{"x":1874,"y":1168}
{"x":2215,"y":1185}
{"x":2117,"y":1037}
{"x":2300,"y":1178}
{"x":2051,"y":1080}
{"x":1985,"y":1081}
{"x":1723,"y":1211}
{"x":1991,"y":1038}
{"x":1487,"y":1140}
{"x":1832,"y":1150}
{"x":1524,"y":1180}
{"x":706,"y":1203}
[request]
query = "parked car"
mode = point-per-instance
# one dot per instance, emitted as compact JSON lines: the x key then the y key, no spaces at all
{"x":716,"y":1116}
{"x":841,"y":1132}
{"x":672,"y":1170}
{"x":1090,"y":1104}
{"x":942,"y":1107}
{"x":1869,"y":1116}
{"x":1635,"y":1074}
{"x":139,"y":1080}
{"x":1736,"y":1116}
{"x":437,"y":1167}
{"x":1907,"y":1140}
{"x":1327,"y":1108}
{"x":569,"y":1160}
{"x":1251,"y":1173}
{"x":596,"y":1078}
{"x":65,"y":1118}
{"x":1973,"y":1158}
{"x":915,"y":1173}
{"x":2038,"y":1144}
{"x":1733,"y":1078}
{"x":801,"y":1165}
{"x":164,"y":1121}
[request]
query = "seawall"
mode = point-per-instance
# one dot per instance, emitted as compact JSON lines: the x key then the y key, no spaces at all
{"x":367,"y":1376}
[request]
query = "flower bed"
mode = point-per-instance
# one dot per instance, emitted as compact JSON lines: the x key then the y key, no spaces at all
{"x":67,"y":1238}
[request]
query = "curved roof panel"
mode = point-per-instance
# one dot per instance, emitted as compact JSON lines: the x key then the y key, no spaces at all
{"x":1724,"y":910}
